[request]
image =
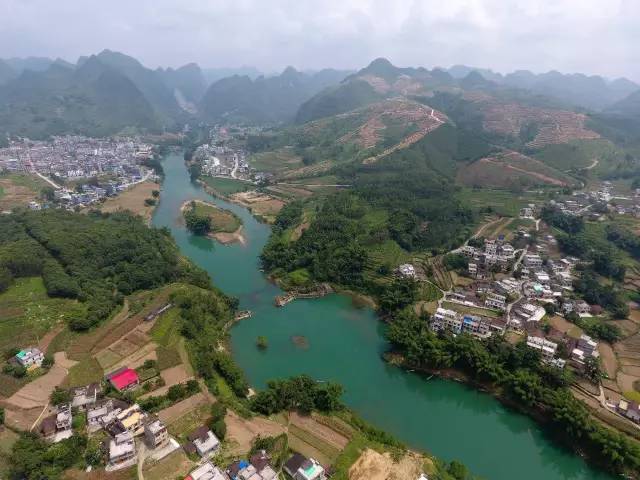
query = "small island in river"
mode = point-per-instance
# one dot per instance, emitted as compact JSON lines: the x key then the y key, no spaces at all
{"x":203,"y":218}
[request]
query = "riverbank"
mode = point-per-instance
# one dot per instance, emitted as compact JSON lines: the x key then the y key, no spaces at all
{"x":345,"y":345}
{"x":262,"y":206}
{"x":226,"y":226}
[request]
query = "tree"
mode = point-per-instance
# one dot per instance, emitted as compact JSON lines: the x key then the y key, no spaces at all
{"x":155,"y":193}
{"x":60,"y":396}
{"x":592,"y":370}
{"x":47,"y":193}
{"x":197,"y":224}
{"x":262,"y":343}
{"x":457,"y":470}
{"x":47,"y":362}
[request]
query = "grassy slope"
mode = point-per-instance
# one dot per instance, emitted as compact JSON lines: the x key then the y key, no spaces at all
{"x":226,"y":186}
{"x":27,"y":313}
{"x":221,"y":220}
{"x":580,"y":154}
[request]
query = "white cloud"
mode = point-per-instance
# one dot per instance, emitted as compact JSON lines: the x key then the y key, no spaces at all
{"x":591,"y":36}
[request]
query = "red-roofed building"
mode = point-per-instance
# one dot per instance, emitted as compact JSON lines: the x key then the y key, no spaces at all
{"x":124,"y":379}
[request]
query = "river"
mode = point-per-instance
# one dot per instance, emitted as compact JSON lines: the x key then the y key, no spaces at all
{"x":344,"y":343}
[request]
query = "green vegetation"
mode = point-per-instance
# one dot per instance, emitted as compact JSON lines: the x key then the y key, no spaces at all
{"x":580,"y":154}
{"x":276,"y":161}
{"x":93,"y":100}
{"x":96,"y":258}
{"x":204,"y":315}
{"x":500,"y":202}
{"x":226,"y":186}
{"x":32,"y":458}
{"x":395,"y":206}
{"x":85,"y":372}
{"x":27,"y":312}
{"x":517,"y":374}
{"x":270,"y":99}
{"x":297,"y":393}
{"x":262,"y":343}
{"x":197,"y":223}
{"x":220,"y":220}
{"x":216,"y":422}
{"x":175,"y":393}
{"x":340,"y":99}
{"x":598,"y":245}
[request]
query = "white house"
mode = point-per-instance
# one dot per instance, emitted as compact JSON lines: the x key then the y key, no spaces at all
{"x":30,"y":357}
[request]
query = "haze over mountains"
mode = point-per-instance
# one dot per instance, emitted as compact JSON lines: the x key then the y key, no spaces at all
{"x":97,"y":95}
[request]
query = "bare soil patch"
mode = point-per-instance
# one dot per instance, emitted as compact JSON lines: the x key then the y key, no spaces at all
{"x":175,"y":465}
{"x":319,"y":430}
{"x":609,"y":360}
{"x":171,"y":376}
{"x":21,"y":418}
{"x":37,"y":393}
{"x":258,"y":203}
{"x":625,"y":381}
{"x":241,"y":432}
{"x":376,"y":466}
{"x":15,"y":195}
{"x":133,"y":200}
{"x":565,"y":326}
{"x":174,"y":411}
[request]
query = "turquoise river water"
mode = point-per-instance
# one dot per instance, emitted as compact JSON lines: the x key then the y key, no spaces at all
{"x":345,"y":344}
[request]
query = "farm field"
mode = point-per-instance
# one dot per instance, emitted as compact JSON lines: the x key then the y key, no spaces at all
{"x":579,"y":154}
{"x":275,"y":162}
{"x":226,"y":186}
{"x":175,"y":465}
{"x":511,"y":170}
{"x":260,"y":204}
{"x":18,"y":189}
{"x":133,"y":200}
{"x":502,"y":202}
{"x":27,"y":313}
{"x":7,"y":439}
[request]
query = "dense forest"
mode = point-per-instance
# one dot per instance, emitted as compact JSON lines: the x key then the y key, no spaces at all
{"x":405,"y":198}
{"x":95,"y":258}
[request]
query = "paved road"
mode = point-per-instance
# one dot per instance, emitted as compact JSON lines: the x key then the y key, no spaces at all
{"x":48,"y":180}
{"x":235,"y":167}
{"x":315,"y":184}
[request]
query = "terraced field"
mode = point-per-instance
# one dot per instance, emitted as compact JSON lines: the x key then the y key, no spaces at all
{"x":510,"y":169}
{"x":553,"y":126}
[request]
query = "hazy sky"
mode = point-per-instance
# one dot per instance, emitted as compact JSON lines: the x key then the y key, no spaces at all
{"x":591,"y":36}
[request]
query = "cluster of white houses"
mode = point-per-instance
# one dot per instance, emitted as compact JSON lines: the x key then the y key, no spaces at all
{"x":493,"y":255}
{"x":258,"y":467}
{"x":518,"y":302}
{"x":127,"y":424}
{"x":482,"y":327}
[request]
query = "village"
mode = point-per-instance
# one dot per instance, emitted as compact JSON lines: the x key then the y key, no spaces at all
{"x":134,"y":435}
{"x":519,"y":285}
{"x":153,"y":413}
{"x":80,"y":171}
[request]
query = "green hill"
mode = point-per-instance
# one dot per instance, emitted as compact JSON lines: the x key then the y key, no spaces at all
{"x":265,"y":99}
{"x":333,"y":101}
{"x":91,"y":100}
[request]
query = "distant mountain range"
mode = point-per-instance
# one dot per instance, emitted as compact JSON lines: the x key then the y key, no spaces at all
{"x":591,"y":92}
{"x":96,"y":95}
{"x":265,"y":99}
